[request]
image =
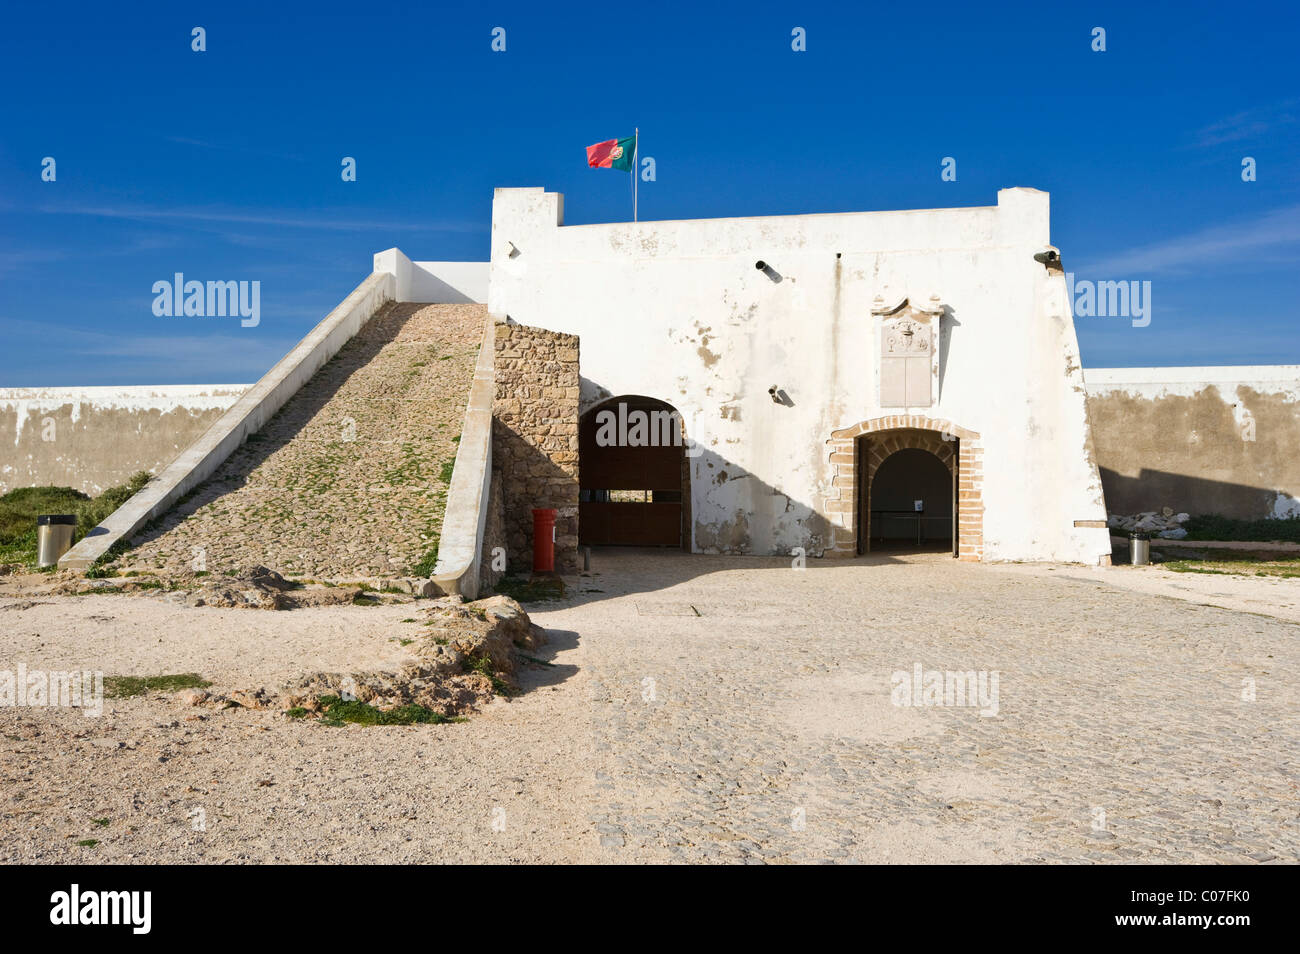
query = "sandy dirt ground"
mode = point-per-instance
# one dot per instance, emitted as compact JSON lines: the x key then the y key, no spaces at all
{"x":174,"y":783}
{"x":1267,"y":595}
{"x":694,"y":708}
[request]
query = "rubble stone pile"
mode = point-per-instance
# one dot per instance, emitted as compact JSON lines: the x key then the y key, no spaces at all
{"x":1163,"y":523}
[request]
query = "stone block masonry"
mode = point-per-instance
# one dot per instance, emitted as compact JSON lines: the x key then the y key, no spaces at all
{"x":535,"y":439}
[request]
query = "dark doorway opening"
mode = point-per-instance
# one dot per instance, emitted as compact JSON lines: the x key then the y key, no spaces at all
{"x":634,"y":485}
{"x":911,"y":503}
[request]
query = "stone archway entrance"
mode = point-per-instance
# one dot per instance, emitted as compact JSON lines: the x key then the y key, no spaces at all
{"x":910,"y":501}
{"x":857,"y":454}
{"x":634,"y":482}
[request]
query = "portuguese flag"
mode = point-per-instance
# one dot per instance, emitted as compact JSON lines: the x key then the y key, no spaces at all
{"x":612,"y":154}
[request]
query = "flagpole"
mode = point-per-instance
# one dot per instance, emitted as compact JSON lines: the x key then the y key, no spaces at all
{"x":636,"y":151}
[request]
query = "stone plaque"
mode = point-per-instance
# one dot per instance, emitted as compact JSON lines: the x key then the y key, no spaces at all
{"x":906,"y":354}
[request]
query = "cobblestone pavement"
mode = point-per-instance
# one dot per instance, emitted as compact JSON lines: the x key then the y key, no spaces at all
{"x":695,"y":708}
{"x":742,"y":711}
{"x":348,"y":479}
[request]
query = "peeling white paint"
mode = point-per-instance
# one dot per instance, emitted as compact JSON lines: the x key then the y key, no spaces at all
{"x":126,"y":398}
{"x":805,"y":324}
{"x":1227,"y":381}
{"x":73,"y":408}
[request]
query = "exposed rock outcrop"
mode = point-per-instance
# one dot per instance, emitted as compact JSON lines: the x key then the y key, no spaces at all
{"x":469,"y":654}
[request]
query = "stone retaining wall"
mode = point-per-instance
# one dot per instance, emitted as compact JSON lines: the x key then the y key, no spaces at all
{"x":535,"y":439}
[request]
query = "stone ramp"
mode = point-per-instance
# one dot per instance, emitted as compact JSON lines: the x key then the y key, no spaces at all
{"x":349,"y":479}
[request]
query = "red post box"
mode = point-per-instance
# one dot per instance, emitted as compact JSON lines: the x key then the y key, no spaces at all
{"x":544,"y":540}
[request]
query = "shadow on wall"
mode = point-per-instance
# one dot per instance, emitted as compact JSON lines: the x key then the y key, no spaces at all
{"x":1153,"y":489}
{"x":431,"y":288}
{"x":737,"y":513}
{"x":1199,"y":453}
{"x":529,"y":479}
{"x":731,"y":511}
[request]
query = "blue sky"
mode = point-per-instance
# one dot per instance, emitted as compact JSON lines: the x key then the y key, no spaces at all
{"x":225,"y":164}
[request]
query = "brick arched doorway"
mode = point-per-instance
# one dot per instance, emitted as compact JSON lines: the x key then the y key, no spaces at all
{"x":856,"y":454}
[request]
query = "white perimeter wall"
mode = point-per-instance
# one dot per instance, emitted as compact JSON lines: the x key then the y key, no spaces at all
{"x":677,"y":311}
{"x":1151,"y":383}
{"x":93,"y":438}
{"x":443,"y":283}
{"x":1204,"y":440}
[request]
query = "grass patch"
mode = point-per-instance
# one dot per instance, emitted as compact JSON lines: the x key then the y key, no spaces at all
{"x":337,"y":712}
{"x":1215,"y":527}
{"x":88,"y":843}
{"x":1285,"y":569}
{"x":410,"y":470}
{"x":19,"y":509}
{"x":447,"y":467}
{"x":1185,"y":566}
{"x":531,"y":591}
{"x":428,"y":561}
{"x":103,"y":565}
{"x":483,"y":665}
{"x":123,"y":687}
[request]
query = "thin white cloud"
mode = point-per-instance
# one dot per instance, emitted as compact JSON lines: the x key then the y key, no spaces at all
{"x":13,"y":260}
{"x":233,"y":356}
{"x":1247,"y":124}
{"x":1272,"y":237}
{"x":283,"y":220}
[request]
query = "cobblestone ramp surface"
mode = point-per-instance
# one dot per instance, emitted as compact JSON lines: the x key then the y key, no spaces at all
{"x":350,"y":478}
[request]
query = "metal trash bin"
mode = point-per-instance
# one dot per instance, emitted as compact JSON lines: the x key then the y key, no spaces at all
{"x":1139,"y":545}
{"x":53,"y":537}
